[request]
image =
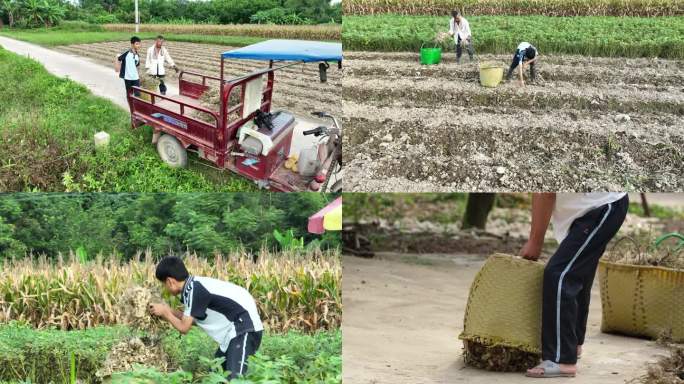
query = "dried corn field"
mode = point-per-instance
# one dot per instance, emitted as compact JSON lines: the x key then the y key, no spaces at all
{"x":292,"y":291}
{"x":587,"y":124}
{"x":647,"y":8}
{"x":307,"y":32}
{"x":297,"y":88}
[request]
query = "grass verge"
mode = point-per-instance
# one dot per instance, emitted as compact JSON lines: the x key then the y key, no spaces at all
{"x":592,"y":36}
{"x":46,"y":129}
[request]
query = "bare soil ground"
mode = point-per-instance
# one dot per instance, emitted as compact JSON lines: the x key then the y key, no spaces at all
{"x":587,"y":124}
{"x":297,"y":88}
{"x":403,"y":314}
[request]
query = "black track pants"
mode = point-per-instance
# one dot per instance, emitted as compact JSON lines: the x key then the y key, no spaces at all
{"x":568,"y":277}
{"x":238,"y":352}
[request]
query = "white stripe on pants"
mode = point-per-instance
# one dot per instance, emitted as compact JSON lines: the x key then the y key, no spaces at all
{"x":565,"y":271}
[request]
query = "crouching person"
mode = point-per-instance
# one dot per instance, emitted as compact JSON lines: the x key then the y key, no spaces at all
{"x":525,"y":54}
{"x":225,"y":311}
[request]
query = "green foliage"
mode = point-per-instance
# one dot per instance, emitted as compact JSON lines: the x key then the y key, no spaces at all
{"x":32,"y":13}
{"x":658,"y":211}
{"x":595,"y":36}
{"x":644,"y":8}
{"x":50,"y":223}
{"x":42,"y":356}
{"x":288,"y":241}
{"x":278,"y":15}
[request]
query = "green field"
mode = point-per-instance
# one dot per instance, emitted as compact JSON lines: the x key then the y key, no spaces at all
{"x":283,"y":358}
{"x":51,"y":38}
{"x":46,"y":130}
{"x":593,"y":36}
{"x":646,"y":8}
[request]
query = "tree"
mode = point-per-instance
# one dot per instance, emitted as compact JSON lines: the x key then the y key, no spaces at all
{"x":477,"y":209}
{"x":53,"y":13}
{"x":33,"y":12}
{"x":10,"y":8}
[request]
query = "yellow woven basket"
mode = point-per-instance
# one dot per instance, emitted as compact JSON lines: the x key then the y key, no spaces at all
{"x":504,"y":304}
{"x":642,"y":301}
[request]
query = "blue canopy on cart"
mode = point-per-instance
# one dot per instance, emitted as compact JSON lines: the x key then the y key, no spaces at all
{"x":288,"y":50}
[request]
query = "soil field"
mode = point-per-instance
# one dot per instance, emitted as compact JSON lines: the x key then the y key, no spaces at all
{"x":587,"y":124}
{"x":297,"y":88}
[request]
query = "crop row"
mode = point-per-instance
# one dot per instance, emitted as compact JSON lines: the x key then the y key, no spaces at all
{"x":45,"y":356}
{"x":594,"y":36}
{"x":647,"y":8}
{"x":292,"y":291}
{"x":307,"y":32}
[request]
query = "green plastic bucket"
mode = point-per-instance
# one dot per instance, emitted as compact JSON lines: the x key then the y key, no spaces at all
{"x":430,"y":56}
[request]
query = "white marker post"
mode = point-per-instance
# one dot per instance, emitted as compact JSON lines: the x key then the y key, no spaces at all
{"x":137,"y":18}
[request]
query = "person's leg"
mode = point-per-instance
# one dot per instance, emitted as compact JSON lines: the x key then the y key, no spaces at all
{"x":533,"y":71}
{"x":514,"y":64}
{"x":237,"y":355}
{"x":567,"y":273}
{"x":459,"y":50}
{"x":251,"y":347}
{"x":583,"y":300}
{"x":471,"y":51}
{"x":162,"y":86}
{"x":136,"y":83}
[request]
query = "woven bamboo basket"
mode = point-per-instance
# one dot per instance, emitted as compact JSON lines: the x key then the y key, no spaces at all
{"x":504,"y":310}
{"x":643,"y":301}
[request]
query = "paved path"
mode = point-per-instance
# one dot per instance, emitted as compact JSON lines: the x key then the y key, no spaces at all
{"x":105,"y":82}
{"x":101,"y":80}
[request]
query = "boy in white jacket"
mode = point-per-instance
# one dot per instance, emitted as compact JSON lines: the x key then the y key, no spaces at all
{"x":157,"y":57}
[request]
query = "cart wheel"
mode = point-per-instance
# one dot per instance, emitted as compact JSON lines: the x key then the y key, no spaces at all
{"x":172,"y":152}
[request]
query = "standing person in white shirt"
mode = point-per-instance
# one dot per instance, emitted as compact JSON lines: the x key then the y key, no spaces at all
{"x":127,"y":65}
{"x":157,"y":57}
{"x":583,"y":224}
{"x":459,"y":28}
{"x":525,"y":54}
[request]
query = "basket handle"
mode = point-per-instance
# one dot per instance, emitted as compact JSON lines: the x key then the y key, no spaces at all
{"x":662,"y":238}
{"x":631,"y":239}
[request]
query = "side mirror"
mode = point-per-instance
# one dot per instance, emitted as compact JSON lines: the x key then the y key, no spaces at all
{"x":323,"y":71}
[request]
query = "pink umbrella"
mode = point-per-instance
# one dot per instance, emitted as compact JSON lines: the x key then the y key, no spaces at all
{"x":328,"y":218}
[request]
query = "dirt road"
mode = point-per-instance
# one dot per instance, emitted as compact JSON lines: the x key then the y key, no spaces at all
{"x":403,"y":314}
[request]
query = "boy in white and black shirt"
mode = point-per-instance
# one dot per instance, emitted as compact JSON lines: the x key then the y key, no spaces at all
{"x":127,"y":65}
{"x":225,"y":311}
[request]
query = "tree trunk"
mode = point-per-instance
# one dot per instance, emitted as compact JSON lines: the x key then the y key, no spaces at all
{"x":477,"y":209}
{"x":644,"y":204}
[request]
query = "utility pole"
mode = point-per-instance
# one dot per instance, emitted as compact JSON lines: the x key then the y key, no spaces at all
{"x":137,"y":18}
